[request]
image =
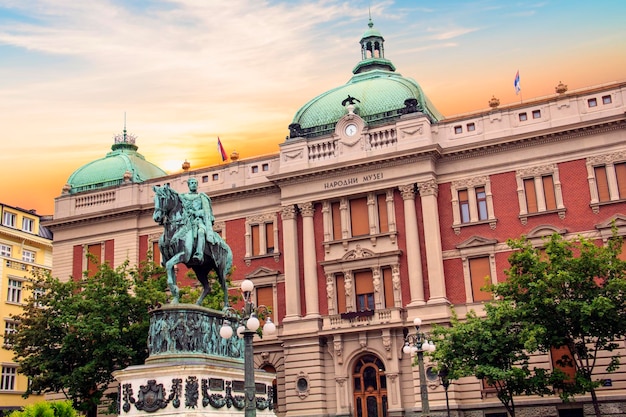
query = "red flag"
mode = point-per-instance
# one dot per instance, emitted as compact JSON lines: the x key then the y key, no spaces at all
{"x":221,"y":150}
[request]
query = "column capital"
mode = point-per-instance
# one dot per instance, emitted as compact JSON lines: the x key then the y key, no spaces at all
{"x":407,"y":191}
{"x":306,"y":209}
{"x":428,"y":188}
{"x":289,"y":212}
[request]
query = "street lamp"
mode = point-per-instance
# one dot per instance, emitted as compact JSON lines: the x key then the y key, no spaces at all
{"x":418,"y":343}
{"x":248,"y":325}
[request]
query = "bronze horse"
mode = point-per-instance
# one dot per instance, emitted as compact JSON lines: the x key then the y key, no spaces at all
{"x":176,"y":245}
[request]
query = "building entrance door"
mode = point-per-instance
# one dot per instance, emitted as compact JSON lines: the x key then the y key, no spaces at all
{"x":370,"y":387}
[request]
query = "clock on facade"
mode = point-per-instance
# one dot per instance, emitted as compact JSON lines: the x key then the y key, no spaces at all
{"x":351,"y":129}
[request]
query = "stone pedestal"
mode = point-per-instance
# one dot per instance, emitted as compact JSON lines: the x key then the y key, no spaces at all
{"x":190,"y":370}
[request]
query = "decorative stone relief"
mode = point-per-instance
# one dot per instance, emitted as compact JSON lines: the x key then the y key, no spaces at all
{"x":302,"y":385}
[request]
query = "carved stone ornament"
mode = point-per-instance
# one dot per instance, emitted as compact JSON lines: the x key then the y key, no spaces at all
{"x":428,"y":188}
{"x":289,"y":212}
{"x":151,"y":397}
{"x":306,"y":209}
{"x":407,"y":191}
{"x":535,"y":171}
{"x":470,"y":182}
{"x":606,"y":158}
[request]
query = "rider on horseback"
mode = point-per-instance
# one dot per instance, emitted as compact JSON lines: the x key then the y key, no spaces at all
{"x":198,"y":210}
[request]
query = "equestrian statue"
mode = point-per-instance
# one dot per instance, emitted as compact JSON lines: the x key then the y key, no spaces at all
{"x":188,"y":238}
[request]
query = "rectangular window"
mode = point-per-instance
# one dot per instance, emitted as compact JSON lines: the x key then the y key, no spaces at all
{"x":265,"y":167}
{"x":205,"y":178}
{"x":28,"y":224}
{"x":536,"y":114}
{"x":479,"y":271}
{"x":548,"y":192}
{"x":464,"y":206}
{"x":93,"y":262}
{"x":255,"y":169}
{"x":562,"y":360}
{"x":28,"y":256}
{"x":358,"y":217}
{"x":364,"y":289}
{"x":7,"y":379}
{"x":481,"y":203}
{"x":14,"y":291}
{"x":383,"y":221}
{"x":336,"y":213}
{"x":388,"y":286}
{"x":216,"y":177}
{"x":471,"y":127}
{"x":341,"y":293}
{"x":265,"y":297}
{"x":458,"y":129}
{"x":156,"y":253}
{"x":10,"y":327}
{"x":8,"y":219}
{"x":5,"y":250}
{"x":592,"y":102}
{"x":531,"y":195}
{"x":256,"y":239}
{"x":602,"y":183}
{"x":523,"y":117}
{"x":620,"y":174}
{"x":606,"y":100}
{"x":269,"y":237}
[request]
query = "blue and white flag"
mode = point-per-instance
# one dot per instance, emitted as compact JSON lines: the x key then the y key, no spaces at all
{"x":516,"y":83}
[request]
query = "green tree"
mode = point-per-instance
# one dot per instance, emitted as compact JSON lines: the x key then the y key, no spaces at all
{"x":215,"y":299}
{"x":494,"y":349}
{"x":576,"y":292}
{"x":72,"y":335}
{"x":47,"y":409}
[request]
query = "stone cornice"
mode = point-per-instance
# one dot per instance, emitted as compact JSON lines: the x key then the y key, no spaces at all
{"x":131,"y":211}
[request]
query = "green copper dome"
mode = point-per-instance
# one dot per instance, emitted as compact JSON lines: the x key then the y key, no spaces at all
{"x":122,"y":164}
{"x":379,"y":94}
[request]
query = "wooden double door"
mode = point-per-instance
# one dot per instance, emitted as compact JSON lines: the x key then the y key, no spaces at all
{"x":370,"y":387}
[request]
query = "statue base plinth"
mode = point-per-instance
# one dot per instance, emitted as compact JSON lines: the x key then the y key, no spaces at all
{"x":190,"y":371}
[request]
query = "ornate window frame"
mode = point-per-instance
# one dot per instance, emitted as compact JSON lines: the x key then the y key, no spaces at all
{"x":538,"y":172}
{"x":357,"y":260}
{"x":373,"y":219}
{"x":261,"y":220}
{"x":470,"y":184}
{"x":477,"y":247}
{"x":608,"y":161}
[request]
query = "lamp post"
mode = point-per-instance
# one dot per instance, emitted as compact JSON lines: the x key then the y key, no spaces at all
{"x":418,"y":343}
{"x":248,"y":325}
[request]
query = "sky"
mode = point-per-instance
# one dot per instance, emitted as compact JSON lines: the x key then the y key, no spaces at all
{"x":181,"y":73}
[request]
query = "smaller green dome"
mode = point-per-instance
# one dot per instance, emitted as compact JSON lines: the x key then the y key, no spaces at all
{"x":122,"y":164}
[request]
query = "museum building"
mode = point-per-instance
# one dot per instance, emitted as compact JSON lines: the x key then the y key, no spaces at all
{"x":375,"y":210}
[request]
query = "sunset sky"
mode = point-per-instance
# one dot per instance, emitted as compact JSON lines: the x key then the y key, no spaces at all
{"x":187,"y":71}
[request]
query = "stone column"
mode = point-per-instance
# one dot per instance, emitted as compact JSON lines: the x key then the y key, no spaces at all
{"x":292,"y":275}
{"x":413,"y":258}
{"x":310,"y":265}
{"x":432,"y":234}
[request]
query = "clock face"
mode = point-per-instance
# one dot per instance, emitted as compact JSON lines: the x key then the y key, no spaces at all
{"x":351,"y":129}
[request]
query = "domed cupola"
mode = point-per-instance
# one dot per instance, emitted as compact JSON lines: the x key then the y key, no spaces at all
{"x":376,"y":94}
{"x":122,"y":165}
{"x":372,"y":52}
